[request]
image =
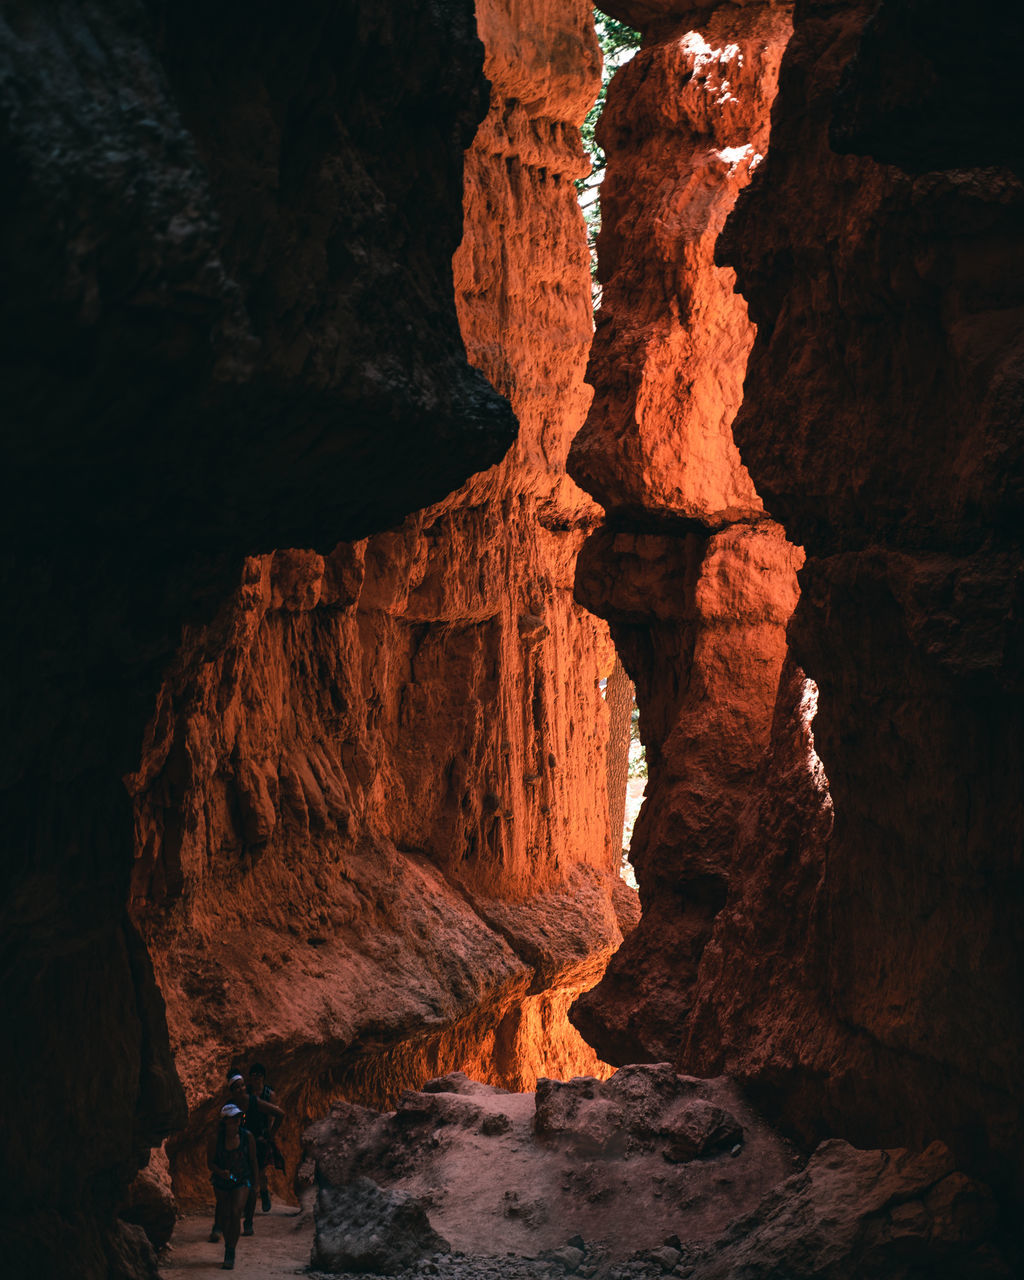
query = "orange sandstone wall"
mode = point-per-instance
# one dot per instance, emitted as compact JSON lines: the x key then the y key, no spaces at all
{"x":883,"y":416}
{"x":370,"y":813}
{"x":697,"y":581}
{"x":228,"y":325}
{"x":863,"y":981}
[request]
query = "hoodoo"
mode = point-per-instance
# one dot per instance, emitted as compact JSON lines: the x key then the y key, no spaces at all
{"x":328,"y":512}
{"x":863,"y":981}
{"x":695,"y":578}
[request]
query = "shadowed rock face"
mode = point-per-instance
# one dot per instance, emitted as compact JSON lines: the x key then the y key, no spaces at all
{"x":865,"y":982}
{"x":917,"y":92}
{"x":228,"y":314}
{"x":229,"y":324}
{"x":882,"y":420}
{"x":894,"y":1214}
{"x":364,"y":1229}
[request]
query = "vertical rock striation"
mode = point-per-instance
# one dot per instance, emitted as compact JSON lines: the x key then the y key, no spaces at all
{"x":696,"y":580}
{"x":372,"y":834}
{"x":865,"y":983}
{"x":882,"y":421}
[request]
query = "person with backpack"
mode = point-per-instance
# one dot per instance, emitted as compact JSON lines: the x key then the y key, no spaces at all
{"x":263,"y":1118}
{"x":234,"y":1170}
{"x":235,"y":1082}
{"x":238,"y":1094}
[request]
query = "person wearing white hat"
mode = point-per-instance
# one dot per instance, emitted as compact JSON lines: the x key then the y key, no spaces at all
{"x":231,"y":1159}
{"x":236,"y":1094}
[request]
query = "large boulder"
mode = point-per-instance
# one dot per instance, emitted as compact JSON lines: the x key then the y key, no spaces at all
{"x":623,"y":1163}
{"x":151,"y":1204}
{"x":362,"y":1227}
{"x":891,"y":1215}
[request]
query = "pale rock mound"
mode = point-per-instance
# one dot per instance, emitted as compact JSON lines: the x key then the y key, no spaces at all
{"x":647,"y":1174}
{"x":587,"y":1167}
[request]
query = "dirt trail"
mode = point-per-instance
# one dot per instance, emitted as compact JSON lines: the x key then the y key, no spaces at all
{"x":280,"y":1247}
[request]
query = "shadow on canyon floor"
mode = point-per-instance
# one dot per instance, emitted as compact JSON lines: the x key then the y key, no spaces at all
{"x":280,"y":1246}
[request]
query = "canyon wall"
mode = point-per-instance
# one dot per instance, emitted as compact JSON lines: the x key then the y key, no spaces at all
{"x":353,"y":790}
{"x":228,"y":324}
{"x":883,"y":423}
{"x":371,"y":820}
{"x":863,"y":981}
{"x":695,"y":578}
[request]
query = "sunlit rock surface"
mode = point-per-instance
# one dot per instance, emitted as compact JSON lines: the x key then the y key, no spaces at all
{"x":372,"y":832}
{"x":696,"y":581}
{"x":685,"y":127}
{"x":229,"y":325}
{"x":866,"y":983}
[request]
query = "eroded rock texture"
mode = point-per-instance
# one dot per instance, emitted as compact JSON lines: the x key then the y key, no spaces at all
{"x":643,"y":1175}
{"x":882,"y":422}
{"x":372,"y":832}
{"x":866,"y":984}
{"x":685,"y":125}
{"x":617,"y":1164}
{"x":228,"y":324}
{"x":697,"y":581}
{"x":895,"y":1214}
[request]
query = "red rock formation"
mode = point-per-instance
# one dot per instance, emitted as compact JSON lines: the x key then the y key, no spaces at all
{"x":891,"y":447}
{"x":198,"y":239}
{"x":686,"y":123}
{"x":872,"y":991}
{"x":229,"y":325}
{"x":697,"y":582}
{"x":371,"y":815}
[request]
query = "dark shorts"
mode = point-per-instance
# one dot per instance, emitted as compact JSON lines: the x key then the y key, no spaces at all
{"x":268,"y":1154}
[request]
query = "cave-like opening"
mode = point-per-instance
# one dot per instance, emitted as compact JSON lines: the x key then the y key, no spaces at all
{"x":320,"y":282}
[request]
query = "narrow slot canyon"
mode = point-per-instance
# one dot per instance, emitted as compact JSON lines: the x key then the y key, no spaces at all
{"x":342,"y":533}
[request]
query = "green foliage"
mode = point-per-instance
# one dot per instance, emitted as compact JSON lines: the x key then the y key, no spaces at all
{"x":618,"y":44}
{"x":637,"y":754}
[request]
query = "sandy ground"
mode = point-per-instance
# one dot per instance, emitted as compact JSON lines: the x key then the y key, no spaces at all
{"x":507,"y":1191}
{"x":280,"y":1247}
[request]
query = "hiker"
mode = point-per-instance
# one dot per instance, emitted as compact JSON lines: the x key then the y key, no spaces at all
{"x":236,"y":1094}
{"x":231,"y":1159}
{"x":262,"y":1118}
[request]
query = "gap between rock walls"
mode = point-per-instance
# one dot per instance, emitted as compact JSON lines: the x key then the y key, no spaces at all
{"x":329,"y":760}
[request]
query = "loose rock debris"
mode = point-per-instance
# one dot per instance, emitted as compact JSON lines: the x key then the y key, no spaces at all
{"x":574,"y":1178}
{"x":646,"y":1175}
